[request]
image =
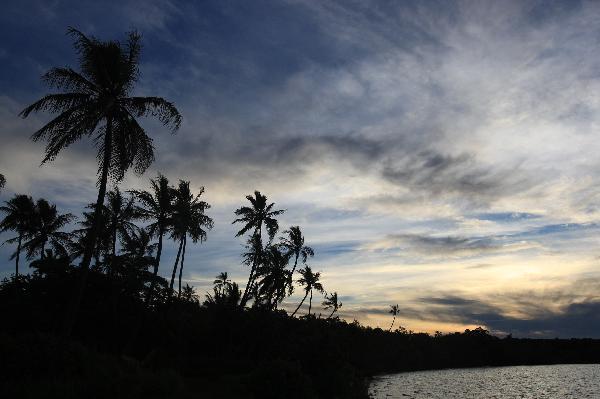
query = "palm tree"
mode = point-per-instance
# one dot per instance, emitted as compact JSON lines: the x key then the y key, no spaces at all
{"x":273,"y":286}
{"x":332,"y":302}
{"x":45,"y":229}
{"x":310,"y":281}
{"x":222,"y":282}
{"x":157,"y":207}
{"x":188,"y":220}
{"x":394,"y":309}
{"x":96,"y":102}
{"x":254,"y":217}
{"x":19,"y":217}
{"x":120,"y":211}
{"x":78,"y":245}
{"x":294,"y":244}
{"x":2,"y":181}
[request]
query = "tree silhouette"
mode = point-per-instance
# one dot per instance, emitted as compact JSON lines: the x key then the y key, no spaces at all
{"x":119,"y":215}
{"x":188,"y":220}
{"x":2,"y":182}
{"x":332,"y":302}
{"x":226,"y":294}
{"x":394,"y":310}
{"x":310,"y":281}
{"x":254,"y":217}
{"x":96,"y":102}
{"x":19,"y":212}
{"x":273,"y":286}
{"x":157,"y":208}
{"x":45,"y":229}
{"x":78,"y":243}
{"x":294,"y":244}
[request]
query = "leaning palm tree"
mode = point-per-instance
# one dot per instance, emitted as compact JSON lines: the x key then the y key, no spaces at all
{"x":188,"y":220}
{"x":19,"y":217}
{"x":332,"y":302}
{"x":394,"y":310}
{"x":294,"y":244}
{"x":97,"y":102}
{"x":45,"y":229}
{"x":310,"y":281}
{"x":253,"y":218}
{"x":157,"y":208}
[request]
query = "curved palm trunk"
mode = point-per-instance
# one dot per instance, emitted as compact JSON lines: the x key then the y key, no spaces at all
{"x":155,"y":272}
{"x":181,"y":265}
{"x":310,"y":303}
{"x":175,"y":266}
{"x":18,"y":255}
{"x":252,"y":271}
{"x":301,"y":302}
{"x":73,"y":308}
{"x":393,"y":320}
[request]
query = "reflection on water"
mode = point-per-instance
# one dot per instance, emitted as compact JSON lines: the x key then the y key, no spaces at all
{"x":523,"y":382}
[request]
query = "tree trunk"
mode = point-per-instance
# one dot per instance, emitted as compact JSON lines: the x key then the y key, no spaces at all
{"x":334,"y":309}
{"x":181,"y":265}
{"x":252,"y":271}
{"x":310,"y":303}
{"x":175,"y":266}
{"x":42,"y":256}
{"x":18,"y":255}
{"x":301,"y":302}
{"x":73,"y":308}
{"x":155,"y":272}
{"x":393,"y":320}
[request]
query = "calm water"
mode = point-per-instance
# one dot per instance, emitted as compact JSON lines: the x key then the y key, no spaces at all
{"x":523,"y":382}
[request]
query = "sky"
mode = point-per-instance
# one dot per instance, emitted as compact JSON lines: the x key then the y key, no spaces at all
{"x":438,"y":155}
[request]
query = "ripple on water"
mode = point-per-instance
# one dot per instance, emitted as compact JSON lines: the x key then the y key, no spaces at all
{"x":565,"y":381}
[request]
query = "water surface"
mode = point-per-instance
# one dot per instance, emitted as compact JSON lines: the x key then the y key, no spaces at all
{"x":524,"y":382}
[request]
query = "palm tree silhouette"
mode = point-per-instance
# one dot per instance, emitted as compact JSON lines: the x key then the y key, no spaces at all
{"x":294,"y":244}
{"x":188,"y":220}
{"x":310,"y":281}
{"x":222,"y":282}
{"x":273,"y":286}
{"x":254,"y":217}
{"x":45,"y":229}
{"x":19,"y":212}
{"x":157,"y":207}
{"x":78,"y":243}
{"x":394,"y":309}
{"x":120,"y":211}
{"x":332,"y":302}
{"x":96,"y":102}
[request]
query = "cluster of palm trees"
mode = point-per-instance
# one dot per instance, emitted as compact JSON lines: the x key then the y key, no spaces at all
{"x":271,"y":279}
{"x":96,"y":102}
{"x":167,"y":210}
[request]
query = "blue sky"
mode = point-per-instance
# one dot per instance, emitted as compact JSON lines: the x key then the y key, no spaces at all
{"x":439,"y":155}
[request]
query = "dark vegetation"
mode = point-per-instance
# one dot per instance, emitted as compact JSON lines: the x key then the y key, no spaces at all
{"x":92,"y":317}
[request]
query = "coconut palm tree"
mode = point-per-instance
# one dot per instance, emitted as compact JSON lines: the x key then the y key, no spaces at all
{"x":254,"y":217}
{"x":332,"y":302}
{"x":188,"y":220}
{"x":78,"y":243}
{"x":19,"y":217}
{"x":394,"y":310}
{"x":310,"y":281}
{"x":120,"y":211}
{"x":273,"y":277}
{"x":45,"y":229}
{"x":294,"y":244}
{"x":97,"y":102}
{"x":222,"y":282}
{"x":157,"y":208}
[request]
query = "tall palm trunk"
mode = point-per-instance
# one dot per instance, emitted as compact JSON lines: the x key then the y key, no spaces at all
{"x":252,"y":271}
{"x":175,"y":266}
{"x":301,"y":302}
{"x":310,"y":303}
{"x":90,"y":244}
{"x":18,"y":255}
{"x":295,"y":264}
{"x":393,"y":320}
{"x":334,"y":309}
{"x":181,"y":265}
{"x":156,"y":264}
